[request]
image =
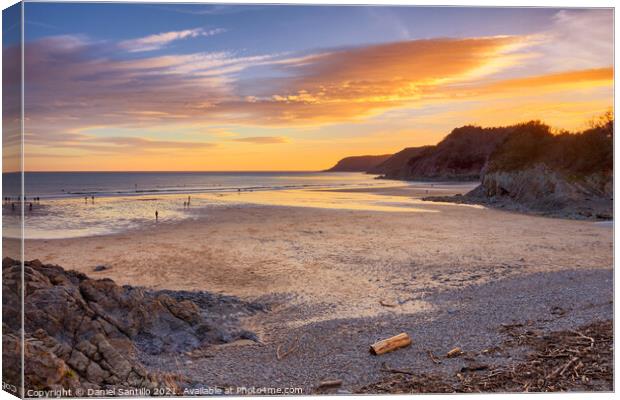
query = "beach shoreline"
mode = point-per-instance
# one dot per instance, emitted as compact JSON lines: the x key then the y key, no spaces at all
{"x":371,"y":273}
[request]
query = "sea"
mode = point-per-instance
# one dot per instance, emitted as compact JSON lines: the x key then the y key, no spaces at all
{"x":75,"y":204}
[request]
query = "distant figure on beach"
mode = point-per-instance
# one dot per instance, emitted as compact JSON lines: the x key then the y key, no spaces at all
{"x":30,"y":207}
{"x":189,"y":198}
{"x":184,"y":204}
{"x":92,"y":199}
{"x":156,"y":215}
{"x":86,"y":199}
{"x":13,"y":206}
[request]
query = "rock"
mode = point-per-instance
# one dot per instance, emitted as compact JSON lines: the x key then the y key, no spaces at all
{"x":99,"y":268}
{"x":78,"y":361}
{"x":358,"y":163}
{"x":87,"y":333}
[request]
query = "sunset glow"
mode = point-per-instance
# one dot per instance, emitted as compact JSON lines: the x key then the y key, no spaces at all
{"x":195,"y":87}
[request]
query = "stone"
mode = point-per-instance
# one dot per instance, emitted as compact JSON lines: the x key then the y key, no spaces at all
{"x":87,"y":333}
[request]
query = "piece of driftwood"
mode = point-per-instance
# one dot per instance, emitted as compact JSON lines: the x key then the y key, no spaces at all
{"x":390,"y":344}
{"x":455,"y":352}
{"x":330,"y":383}
{"x":433,"y":358}
{"x":388,"y":303}
{"x":281,"y":354}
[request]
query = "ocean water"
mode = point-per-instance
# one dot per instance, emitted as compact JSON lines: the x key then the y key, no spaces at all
{"x":98,"y":203}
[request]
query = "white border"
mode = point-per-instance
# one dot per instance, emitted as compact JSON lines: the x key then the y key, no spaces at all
{"x":474,"y":3}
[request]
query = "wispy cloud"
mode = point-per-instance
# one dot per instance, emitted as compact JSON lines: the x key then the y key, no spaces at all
{"x":578,"y":39}
{"x":74,"y":82}
{"x":158,"y":41}
{"x":262,"y":139}
{"x":77,"y":140}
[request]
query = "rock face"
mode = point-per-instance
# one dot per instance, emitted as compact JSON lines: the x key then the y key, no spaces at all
{"x":568,"y":175}
{"x":396,"y":167}
{"x":358,"y":163}
{"x":460,"y":156}
{"x":88,"y":333}
{"x":542,"y":189}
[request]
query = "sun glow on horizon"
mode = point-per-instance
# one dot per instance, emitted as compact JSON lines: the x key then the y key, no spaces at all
{"x":197,"y":99}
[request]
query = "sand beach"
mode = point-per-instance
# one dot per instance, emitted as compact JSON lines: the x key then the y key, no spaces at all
{"x":334,"y":280}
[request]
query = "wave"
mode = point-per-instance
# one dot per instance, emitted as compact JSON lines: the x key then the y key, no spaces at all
{"x":185,"y":190}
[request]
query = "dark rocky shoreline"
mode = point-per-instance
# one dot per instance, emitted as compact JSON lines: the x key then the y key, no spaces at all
{"x":89,"y":334}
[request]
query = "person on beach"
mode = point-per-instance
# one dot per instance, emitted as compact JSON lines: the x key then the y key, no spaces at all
{"x":85,"y":199}
{"x":156,"y":215}
{"x":92,"y":198}
{"x":30,"y":207}
{"x":189,"y":198}
{"x":13,"y":206}
{"x":184,"y":204}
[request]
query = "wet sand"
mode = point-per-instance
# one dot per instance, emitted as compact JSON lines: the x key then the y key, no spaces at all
{"x":451,"y":272}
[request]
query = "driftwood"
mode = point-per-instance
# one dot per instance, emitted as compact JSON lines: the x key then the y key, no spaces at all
{"x":330,"y":383}
{"x":281,"y":354}
{"x":388,"y":303}
{"x":390,"y":344}
{"x":455,"y":352}
{"x":433,"y":358}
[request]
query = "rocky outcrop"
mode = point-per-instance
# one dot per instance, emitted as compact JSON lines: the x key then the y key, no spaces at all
{"x":358,"y":163}
{"x":460,"y":156}
{"x":396,"y":167}
{"x":541,"y":189}
{"x":87,"y":333}
{"x":533,"y":170}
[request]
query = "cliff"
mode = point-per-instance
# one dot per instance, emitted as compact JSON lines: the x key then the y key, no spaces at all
{"x":358,"y":163}
{"x":460,"y":156}
{"x":566,"y":174}
{"x":534,"y":170}
{"x":395,"y":167}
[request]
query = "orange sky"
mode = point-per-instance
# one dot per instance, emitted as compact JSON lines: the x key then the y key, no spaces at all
{"x":301,"y":110}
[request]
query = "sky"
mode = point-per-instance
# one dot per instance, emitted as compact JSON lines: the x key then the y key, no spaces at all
{"x":246,"y":87}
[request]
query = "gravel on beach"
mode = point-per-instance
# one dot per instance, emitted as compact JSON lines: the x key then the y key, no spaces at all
{"x":473,"y":318}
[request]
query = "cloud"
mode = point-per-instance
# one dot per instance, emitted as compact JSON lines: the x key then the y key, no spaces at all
{"x":262,"y":139}
{"x":113,"y":145}
{"x":577,"y":39}
{"x":74,"y":82}
{"x":157,"y":41}
{"x":353,"y":83}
